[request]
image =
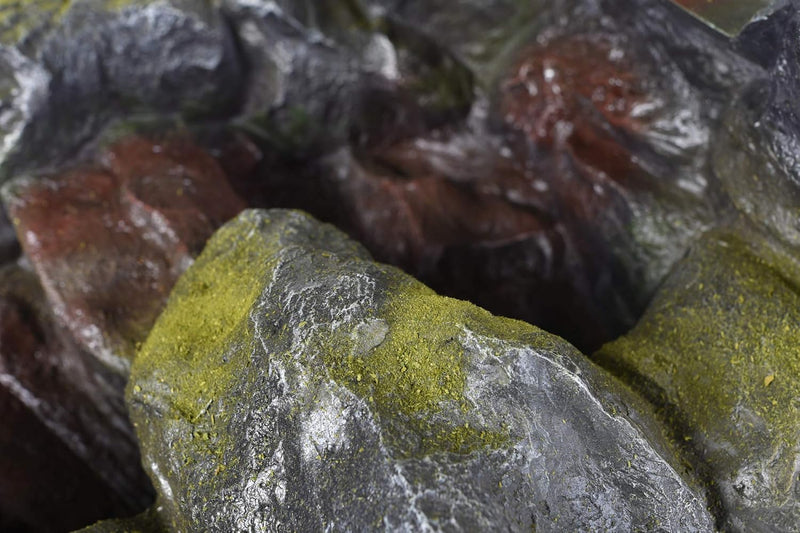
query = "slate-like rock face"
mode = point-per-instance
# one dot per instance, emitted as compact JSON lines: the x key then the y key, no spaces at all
{"x":109,"y":241}
{"x":292,"y":383}
{"x":68,"y":68}
{"x":68,"y":455}
{"x":719,"y":352}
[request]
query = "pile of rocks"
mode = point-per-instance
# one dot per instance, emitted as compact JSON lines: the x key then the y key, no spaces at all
{"x":572,"y":164}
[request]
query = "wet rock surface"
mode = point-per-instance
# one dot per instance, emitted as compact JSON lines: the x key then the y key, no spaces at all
{"x":756,"y":152}
{"x":313,"y":388}
{"x":109,"y":241}
{"x":68,"y":454}
{"x":562,"y":199}
{"x":591,"y":148}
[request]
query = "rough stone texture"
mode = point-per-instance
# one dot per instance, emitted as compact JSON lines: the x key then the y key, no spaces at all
{"x":68,"y":455}
{"x":108,"y":242}
{"x":292,"y":383}
{"x":718,"y":352}
{"x":70,"y":67}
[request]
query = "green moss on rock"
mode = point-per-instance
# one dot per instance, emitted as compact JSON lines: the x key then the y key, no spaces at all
{"x":294,"y":383}
{"x":719,"y":352}
{"x":206,"y":316}
{"x":418,"y":364}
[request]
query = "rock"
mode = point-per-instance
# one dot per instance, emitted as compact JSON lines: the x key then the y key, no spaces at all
{"x":68,"y":455}
{"x":563,"y":202}
{"x":69,"y":68}
{"x":326,"y":72}
{"x":109,"y":241}
{"x":292,"y":383}
{"x":717,"y":352}
{"x":762,"y":39}
{"x":567,"y":186}
{"x":755,"y":153}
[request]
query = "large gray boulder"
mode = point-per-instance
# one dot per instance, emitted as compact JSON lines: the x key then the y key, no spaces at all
{"x":294,"y":384}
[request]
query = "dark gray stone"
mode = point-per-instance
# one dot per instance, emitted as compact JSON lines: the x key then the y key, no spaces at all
{"x":68,"y":72}
{"x":323,"y":73}
{"x":756,"y":151}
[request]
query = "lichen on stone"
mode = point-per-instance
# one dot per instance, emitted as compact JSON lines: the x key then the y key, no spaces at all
{"x":718,"y":352}
{"x":418,"y":365}
{"x":293,"y":382}
{"x":206,"y":314}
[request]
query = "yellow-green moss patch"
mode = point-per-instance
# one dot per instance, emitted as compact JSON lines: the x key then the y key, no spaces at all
{"x":722,"y":342}
{"x":197,"y":343}
{"x":418,"y":371}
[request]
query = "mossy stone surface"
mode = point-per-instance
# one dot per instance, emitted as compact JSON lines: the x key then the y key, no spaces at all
{"x":293,"y":383}
{"x":719,"y":352}
{"x":146,"y":522}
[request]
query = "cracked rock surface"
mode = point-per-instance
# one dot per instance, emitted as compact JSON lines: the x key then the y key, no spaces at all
{"x":293,"y":383}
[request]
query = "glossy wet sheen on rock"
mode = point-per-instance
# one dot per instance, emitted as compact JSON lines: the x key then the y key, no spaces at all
{"x":69,"y":68}
{"x":311,"y":387}
{"x":565,"y":206}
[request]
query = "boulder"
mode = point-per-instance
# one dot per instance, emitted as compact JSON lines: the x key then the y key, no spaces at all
{"x":109,"y":240}
{"x":293,"y":383}
{"x":718,"y":352}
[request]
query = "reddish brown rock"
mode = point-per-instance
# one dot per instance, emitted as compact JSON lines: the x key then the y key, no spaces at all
{"x":479,"y":225}
{"x":580,"y":95}
{"x":68,"y":455}
{"x":109,"y":241}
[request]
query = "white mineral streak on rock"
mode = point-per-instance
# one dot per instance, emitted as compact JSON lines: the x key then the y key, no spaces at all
{"x":323,"y":429}
{"x":23,"y":99}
